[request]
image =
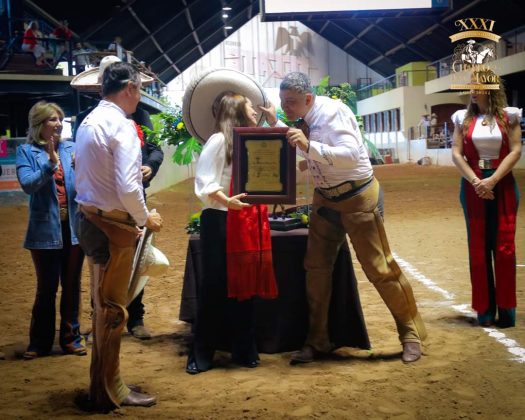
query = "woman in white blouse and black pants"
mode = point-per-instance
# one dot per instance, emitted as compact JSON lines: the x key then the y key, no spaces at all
{"x":487,"y":145}
{"x":219,"y":303}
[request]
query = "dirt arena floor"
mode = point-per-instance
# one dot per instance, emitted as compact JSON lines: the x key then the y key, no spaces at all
{"x":467,"y":372}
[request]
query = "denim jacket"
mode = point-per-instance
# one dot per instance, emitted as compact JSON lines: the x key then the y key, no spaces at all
{"x":36,"y":176}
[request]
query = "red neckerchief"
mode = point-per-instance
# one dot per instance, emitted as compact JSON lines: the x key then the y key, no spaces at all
{"x":249,"y":253}
{"x":140,"y":133}
{"x":505,"y":256}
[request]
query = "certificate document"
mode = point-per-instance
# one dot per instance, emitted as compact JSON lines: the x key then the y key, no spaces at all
{"x":264,"y":172}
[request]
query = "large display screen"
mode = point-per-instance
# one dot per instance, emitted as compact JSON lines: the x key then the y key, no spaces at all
{"x":279,"y":9}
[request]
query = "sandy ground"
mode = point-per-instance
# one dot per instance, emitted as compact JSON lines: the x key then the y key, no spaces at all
{"x":466,"y":373}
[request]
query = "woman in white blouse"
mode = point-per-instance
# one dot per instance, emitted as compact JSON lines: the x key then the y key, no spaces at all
{"x":235,"y":244}
{"x":487,"y":145}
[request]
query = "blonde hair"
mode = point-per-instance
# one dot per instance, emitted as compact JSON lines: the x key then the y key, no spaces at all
{"x":38,"y":114}
{"x":497,"y":101}
{"x":229,"y":110}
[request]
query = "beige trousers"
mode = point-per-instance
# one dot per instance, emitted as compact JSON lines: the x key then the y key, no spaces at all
{"x":359,"y":217}
{"x":110,"y":294}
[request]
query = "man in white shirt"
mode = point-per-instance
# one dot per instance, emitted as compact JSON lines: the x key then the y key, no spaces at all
{"x":346,"y":201}
{"x":111,"y":203}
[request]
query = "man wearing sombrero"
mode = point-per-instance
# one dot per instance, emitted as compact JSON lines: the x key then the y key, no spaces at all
{"x":111,"y":202}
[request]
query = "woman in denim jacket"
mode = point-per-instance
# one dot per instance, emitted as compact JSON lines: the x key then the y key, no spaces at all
{"x":44,"y":167}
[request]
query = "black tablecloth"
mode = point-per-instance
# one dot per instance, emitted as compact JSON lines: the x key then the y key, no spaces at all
{"x":282,"y":323}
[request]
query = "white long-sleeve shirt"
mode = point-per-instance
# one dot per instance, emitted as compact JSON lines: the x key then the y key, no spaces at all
{"x":212,"y":173}
{"x":107,"y":164}
{"x":337,"y":152}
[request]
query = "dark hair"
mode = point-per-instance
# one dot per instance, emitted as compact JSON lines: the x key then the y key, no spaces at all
{"x":296,"y":82}
{"x":116,"y":76}
{"x":229,"y":110}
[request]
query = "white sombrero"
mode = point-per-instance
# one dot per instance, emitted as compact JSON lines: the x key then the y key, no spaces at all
{"x":148,"y":261}
{"x":202,"y":91}
{"x":90,"y":80}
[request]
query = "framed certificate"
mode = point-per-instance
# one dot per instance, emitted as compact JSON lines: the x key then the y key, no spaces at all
{"x":263,"y":165}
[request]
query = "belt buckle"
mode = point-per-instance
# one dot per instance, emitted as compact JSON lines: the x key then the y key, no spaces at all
{"x":485,"y":164}
{"x":63,"y":213}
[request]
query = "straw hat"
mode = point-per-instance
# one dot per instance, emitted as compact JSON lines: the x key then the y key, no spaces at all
{"x":148,"y":261}
{"x":90,"y":80}
{"x":202,"y":91}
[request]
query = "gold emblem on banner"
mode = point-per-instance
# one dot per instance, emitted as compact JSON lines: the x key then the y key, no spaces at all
{"x":474,"y":57}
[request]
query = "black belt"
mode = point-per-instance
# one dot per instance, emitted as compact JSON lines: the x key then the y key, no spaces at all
{"x":343,"y":188}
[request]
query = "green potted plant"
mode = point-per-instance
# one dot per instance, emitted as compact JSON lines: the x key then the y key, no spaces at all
{"x":169,"y":128}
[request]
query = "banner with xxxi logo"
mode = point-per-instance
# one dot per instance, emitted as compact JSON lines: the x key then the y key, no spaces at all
{"x":472,"y":62}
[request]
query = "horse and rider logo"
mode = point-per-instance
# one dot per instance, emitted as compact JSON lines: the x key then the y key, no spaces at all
{"x":475,"y":53}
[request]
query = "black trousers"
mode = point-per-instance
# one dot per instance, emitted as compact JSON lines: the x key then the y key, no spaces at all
{"x":136,"y":311}
{"x":54,"y":266}
{"x":214,"y":309}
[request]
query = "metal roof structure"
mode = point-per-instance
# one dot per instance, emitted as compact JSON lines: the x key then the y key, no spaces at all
{"x":172,"y":35}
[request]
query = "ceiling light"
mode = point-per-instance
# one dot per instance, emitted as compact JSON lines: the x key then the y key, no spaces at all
{"x":228,"y":27}
{"x":226,"y":8}
{"x":225,"y":15}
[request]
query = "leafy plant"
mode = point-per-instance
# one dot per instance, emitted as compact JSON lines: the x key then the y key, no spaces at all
{"x":194,"y":224}
{"x":342,"y":92}
{"x":169,"y":128}
{"x":282,"y":116}
{"x":300,"y":212}
{"x":347,"y":95}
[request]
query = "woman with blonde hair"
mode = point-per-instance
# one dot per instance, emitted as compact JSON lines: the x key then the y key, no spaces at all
{"x":45,"y":170}
{"x":487,"y":145}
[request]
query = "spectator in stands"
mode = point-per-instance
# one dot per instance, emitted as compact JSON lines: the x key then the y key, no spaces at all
{"x":63,"y":35}
{"x":424,"y":126}
{"x":32,"y":43}
{"x":81,"y":57}
{"x":44,"y":167}
{"x":116,"y":46}
{"x":433,"y":124}
{"x":486,"y":148}
{"x":154,"y":88}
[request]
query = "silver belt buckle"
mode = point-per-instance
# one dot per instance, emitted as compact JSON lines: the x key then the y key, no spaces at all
{"x":485,"y":164}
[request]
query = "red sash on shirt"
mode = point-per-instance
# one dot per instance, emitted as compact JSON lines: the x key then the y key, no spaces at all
{"x":249,"y":253}
{"x":505,"y":256}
